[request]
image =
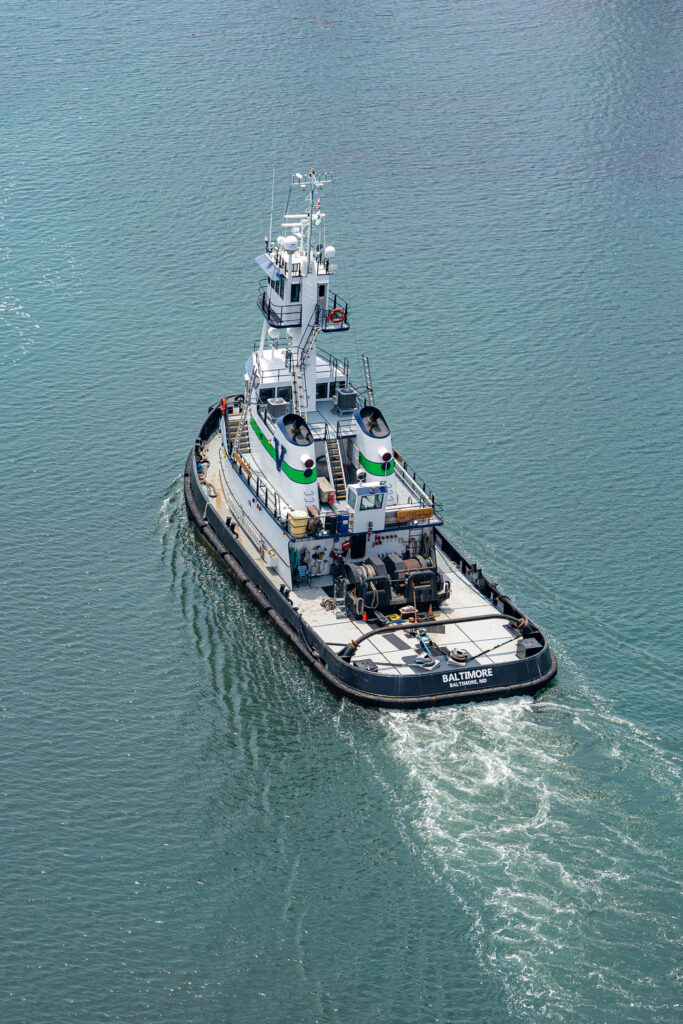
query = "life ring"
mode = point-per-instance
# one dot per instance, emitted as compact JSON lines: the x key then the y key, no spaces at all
{"x":223,"y":406}
{"x":336,"y":316}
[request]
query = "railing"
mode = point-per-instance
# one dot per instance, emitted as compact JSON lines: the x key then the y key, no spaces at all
{"x":277,"y":258}
{"x":272,"y":378}
{"x":278,"y":314}
{"x":341,"y":366}
{"x":269,"y":499}
{"x":415,"y":483}
{"x":273,"y":251}
{"x":335,"y":302}
{"x":324,"y":431}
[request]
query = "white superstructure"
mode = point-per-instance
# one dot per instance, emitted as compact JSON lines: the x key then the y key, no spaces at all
{"x":307,"y":460}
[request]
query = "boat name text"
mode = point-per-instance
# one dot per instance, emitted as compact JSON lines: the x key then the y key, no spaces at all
{"x":469,"y":676}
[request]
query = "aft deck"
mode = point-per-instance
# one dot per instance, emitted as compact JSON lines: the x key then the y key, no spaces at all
{"x":395,"y":653}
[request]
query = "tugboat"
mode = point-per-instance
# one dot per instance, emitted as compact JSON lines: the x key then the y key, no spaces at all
{"x":296,"y":487}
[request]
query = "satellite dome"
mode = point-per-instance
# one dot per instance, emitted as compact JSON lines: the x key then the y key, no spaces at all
{"x":289,"y":244}
{"x":330,"y":252}
{"x":273,"y":333}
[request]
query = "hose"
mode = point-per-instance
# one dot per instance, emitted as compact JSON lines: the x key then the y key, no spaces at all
{"x":353,"y":646}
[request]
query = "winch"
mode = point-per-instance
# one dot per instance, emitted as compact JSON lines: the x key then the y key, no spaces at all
{"x":386,"y":582}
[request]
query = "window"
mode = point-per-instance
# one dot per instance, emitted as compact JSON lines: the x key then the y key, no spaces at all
{"x":321,"y":291}
{"x":285,"y":393}
{"x":333,"y":388}
{"x":266,"y":393}
{"x":296,"y":292}
{"x":369,"y":501}
{"x":279,"y":287}
{"x":321,"y":391}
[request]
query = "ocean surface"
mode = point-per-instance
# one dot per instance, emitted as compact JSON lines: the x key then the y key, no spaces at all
{"x":192,"y":829}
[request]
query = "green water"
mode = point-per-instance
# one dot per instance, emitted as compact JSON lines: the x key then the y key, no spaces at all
{"x":193,"y":828}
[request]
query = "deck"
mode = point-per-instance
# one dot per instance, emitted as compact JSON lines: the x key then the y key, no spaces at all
{"x":390,"y":653}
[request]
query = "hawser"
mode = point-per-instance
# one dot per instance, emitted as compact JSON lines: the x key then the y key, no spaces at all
{"x":295,"y":485}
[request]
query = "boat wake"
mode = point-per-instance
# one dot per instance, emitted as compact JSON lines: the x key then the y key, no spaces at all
{"x":525,"y":810}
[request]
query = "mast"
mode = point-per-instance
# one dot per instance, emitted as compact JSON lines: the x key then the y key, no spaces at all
{"x":295,"y":297}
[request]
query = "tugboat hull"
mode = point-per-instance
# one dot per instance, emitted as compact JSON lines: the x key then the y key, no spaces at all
{"x":447,"y":685}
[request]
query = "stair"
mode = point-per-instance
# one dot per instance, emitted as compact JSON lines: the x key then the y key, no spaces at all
{"x":241,"y":435}
{"x":336,"y":468}
{"x":299,"y":396}
{"x":313,"y":333}
{"x":233,"y":423}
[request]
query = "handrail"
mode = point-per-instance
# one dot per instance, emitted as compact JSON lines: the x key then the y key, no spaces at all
{"x":270,"y":499}
{"x":336,"y":302}
{"x":337,"y":364}
{"x":410,"y":477}
{"x":281,"y":314}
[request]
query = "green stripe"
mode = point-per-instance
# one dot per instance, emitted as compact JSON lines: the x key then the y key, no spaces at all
{"x":376,"y":468}
{"x":297,"y":475}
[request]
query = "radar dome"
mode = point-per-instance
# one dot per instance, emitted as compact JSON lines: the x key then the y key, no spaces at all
{"x":273,"y":333}
{"x":290,"y":244}
{"x":330,"y":252}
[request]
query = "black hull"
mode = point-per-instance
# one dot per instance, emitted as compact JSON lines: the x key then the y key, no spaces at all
{"x":427,"y":690}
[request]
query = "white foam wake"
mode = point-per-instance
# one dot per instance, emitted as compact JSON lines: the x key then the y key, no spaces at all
{"x":526,"y":810}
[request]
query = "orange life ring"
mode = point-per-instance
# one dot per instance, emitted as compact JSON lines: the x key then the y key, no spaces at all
{"x":336,"y":316}
{"x":223,"y":406}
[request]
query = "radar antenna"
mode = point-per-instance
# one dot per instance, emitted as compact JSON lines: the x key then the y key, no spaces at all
{"x":313,"y":182}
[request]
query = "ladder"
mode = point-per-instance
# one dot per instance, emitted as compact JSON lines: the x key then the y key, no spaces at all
{"x":336,"y":468}
{"x":369,"y":390}
{"x":299,"y":396}
{"x":298,"y":390}
{"x":240,"y":440}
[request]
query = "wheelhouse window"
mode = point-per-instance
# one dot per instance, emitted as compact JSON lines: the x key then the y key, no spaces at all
{"x":369,"y":501}
{"x":295,"y":293}
{"x":279,"y":287}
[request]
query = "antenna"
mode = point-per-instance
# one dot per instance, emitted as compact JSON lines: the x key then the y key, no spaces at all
{"x":272,"y":197}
